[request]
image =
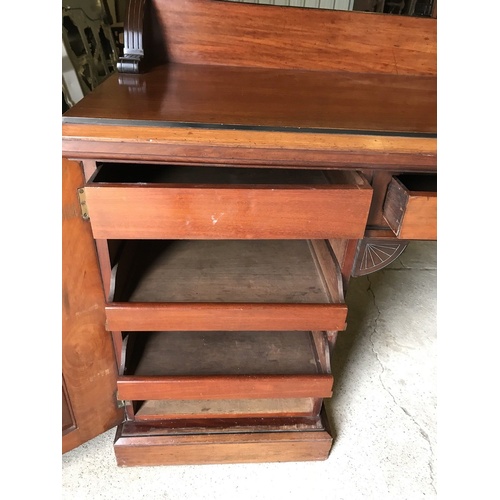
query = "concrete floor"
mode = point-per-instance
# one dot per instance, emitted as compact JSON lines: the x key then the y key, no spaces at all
{"x":383,"y":412}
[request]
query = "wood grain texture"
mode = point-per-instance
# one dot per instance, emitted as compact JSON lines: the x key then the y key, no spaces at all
{"x":233,"y":317}
{"x":313,"y":39}
{"x":276,"y":98}
{"x":184,"y":145}
{"x":88,"y":361}
{"x":225,"y":387}
{"x":227,"y":212}
{"x":355,"y":104}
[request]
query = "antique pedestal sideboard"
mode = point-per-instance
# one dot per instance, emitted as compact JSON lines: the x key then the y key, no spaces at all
{"x":219,"y":191}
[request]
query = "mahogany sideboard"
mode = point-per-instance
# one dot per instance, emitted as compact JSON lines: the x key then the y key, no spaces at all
{"x":219,"y":192}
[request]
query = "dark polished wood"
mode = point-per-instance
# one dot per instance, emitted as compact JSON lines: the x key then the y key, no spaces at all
{"x":183,"y":94}
{"x":294,"y":118}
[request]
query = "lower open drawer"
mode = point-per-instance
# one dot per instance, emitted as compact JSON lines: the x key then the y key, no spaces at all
{"x":188,"y":368}
{"x":226,"y":285}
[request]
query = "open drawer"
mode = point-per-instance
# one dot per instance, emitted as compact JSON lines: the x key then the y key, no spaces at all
{"x":200,"y":374}
{"x":236,"y":285}
{"x":410,"y":207}
{"x":132,"y":201}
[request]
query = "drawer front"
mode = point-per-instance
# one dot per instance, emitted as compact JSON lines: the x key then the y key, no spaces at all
{"x":225,"y":210}
{"x":225,"y":387}
{"x":410,"y":207}
{"x":234,"y":317}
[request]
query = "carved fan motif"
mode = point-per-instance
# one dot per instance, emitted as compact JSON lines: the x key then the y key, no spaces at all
{"x":375,"y":254}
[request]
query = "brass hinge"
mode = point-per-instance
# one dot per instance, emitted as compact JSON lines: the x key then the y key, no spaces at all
{"x":83,"y":203}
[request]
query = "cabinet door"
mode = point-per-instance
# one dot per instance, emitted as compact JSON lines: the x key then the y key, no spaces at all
{"x":88,"y":360}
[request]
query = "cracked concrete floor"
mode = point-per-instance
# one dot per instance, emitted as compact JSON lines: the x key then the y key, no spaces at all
{"x":383,"y":412}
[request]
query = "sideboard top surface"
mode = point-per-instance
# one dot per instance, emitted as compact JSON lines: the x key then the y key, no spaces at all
{"x":224,"y":97}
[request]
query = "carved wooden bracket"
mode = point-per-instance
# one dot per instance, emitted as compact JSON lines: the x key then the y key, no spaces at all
{"x":133,"y":31}
{"x":374,"y":254}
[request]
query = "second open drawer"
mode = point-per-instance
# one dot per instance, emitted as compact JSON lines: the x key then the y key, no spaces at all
{"x":236,"y":285}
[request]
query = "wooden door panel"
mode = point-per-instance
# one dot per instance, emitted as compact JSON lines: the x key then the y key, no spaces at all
{"x":88,"y":360}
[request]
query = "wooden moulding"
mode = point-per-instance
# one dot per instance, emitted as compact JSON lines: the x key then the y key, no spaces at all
{"x":237,"y":285}
{"x":153,"y":201}
{"x":410,"y":207}
{"x":258,"y":443}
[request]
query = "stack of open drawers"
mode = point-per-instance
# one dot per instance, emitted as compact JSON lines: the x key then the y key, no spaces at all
{"x":222,"y":292}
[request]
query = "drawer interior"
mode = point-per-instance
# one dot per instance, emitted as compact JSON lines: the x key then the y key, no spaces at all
{"x":158,"y":410}
{"x":257,"y":271}
{"x":419,"y":182}
{"x":156,"y":354}
{"x":125,"y":173}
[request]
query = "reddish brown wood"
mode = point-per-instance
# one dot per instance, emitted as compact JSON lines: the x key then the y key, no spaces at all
{"x":88,"y":361}
{"x":269,"y":36}
{"x":345,"y":252}
{"x":264,"y":444}
{"x":379,"y":180}
{"x":234,"y":317}
{"x":68,"y":419}
{"x":328,"y":266}
{"x":274,"y":98}
{"x":225,"y":425}
{"x":225,"y":387}
{"x":245,"y":85}
{"x":210,"y":212}
{"x":247,"y":147}
{"x":411,"y":212}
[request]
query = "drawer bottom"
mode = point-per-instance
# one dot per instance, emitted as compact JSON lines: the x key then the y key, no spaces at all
{"x":307,"y":439}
